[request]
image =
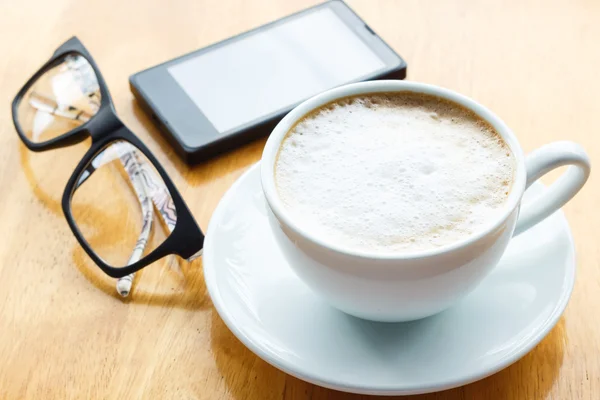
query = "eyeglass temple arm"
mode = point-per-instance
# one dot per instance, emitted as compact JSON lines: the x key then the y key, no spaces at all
{"x":156,"y":190}
{"x":46,"y":104}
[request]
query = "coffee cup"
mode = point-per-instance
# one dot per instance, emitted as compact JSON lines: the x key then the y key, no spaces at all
{"x":409,"y":285}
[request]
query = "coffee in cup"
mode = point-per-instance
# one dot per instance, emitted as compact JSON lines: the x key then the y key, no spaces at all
{"x":393,"y":172}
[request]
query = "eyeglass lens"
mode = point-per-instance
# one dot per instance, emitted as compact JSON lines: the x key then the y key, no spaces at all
{"x":61,"y":99}
{"x":121,"y":205}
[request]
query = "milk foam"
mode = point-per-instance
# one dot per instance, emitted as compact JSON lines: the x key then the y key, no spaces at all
{"x":397,"y":172}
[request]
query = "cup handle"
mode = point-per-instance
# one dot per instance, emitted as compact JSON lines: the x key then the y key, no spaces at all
{"x":542,"y":161}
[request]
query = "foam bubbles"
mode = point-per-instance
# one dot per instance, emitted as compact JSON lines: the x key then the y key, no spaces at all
{"x":391,"y":173}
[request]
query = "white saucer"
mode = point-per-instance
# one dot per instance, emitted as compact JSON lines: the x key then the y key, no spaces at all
{"x":275,"y":315}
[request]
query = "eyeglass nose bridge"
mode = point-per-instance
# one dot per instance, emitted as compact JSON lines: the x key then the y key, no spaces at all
{"x":103,"y":123}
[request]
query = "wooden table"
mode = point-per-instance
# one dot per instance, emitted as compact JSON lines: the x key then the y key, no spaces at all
{"x":64,"y":333}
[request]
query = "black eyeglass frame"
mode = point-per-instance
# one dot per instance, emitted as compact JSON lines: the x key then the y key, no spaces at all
{"x":104,"y":128}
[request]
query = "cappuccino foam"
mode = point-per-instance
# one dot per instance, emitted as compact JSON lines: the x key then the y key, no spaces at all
{"x":393,"y":172}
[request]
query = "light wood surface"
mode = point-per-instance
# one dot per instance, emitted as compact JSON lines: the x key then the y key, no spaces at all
{"x":64,"y":333}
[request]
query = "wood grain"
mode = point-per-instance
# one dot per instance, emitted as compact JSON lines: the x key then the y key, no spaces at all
{"x":65,"y":333}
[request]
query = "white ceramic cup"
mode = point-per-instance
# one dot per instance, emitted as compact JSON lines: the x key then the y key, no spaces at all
{"x":405,"y":286}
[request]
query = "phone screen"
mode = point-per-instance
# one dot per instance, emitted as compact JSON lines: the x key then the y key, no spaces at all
{"x":275,"y":68}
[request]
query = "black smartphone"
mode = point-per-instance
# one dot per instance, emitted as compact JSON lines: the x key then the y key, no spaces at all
{"x":234,"y":91}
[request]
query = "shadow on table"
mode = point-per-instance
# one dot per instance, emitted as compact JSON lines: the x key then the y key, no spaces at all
{"x":249,"y":377}
{"x":170,"y":282}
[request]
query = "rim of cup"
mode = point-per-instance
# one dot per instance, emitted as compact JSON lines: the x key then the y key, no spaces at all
{"x":274,"y":141}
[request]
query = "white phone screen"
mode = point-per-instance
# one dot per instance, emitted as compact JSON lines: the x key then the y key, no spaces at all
{"x":274,"y":68}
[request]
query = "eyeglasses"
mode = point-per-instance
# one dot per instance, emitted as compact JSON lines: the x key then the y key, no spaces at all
{"x":111,"y":197}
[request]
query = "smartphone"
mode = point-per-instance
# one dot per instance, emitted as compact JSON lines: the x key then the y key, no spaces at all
{"x":235,"y":91}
